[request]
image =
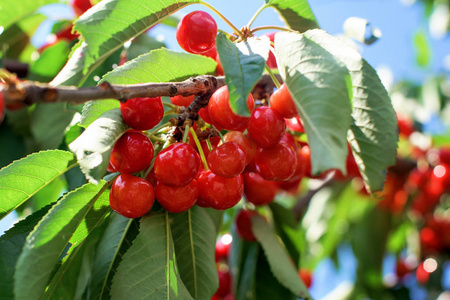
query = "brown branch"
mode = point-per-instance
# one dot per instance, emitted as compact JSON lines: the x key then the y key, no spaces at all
{"x":28,"y":92}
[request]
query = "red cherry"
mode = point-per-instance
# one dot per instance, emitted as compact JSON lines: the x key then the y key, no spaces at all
{"x":430,"y":241}
{"x":306,"y":153}
{"x":244,"y":225}
{"x":247,"y":144}
{"x":66,"y":34}
{"x":290,"y":140}
{"x":80,"y":6}
{"x":444,"y":155}
{"x":223,"y":246}
{"x":282,"y":102}
{"x":220,"y":192}
{"x":131,"y":196}
{"x":151,"y":177}
{"x":266,"y":127}
{"x":211,"y":53}
{"x":177,"y":199}
{"x":219,"y":68}
{"x":142,"y":113}
{"x":295,"y":124}
{"x":227,"y":160}
{"x":422,"y":275}
{"x":133,"y":152}
{"x":220,"y":111}
{"x":224,"y":284}
{"x":306,"y":277}
{"x":405,"y":125}
{"x":401,"y":268}
{"x":257,"y":190}
{"x":271,"y":61}
{"x":196,"y":32}
{"x":182,"y":101}
{"x":177,"y":165}
{"x":276,"y":164}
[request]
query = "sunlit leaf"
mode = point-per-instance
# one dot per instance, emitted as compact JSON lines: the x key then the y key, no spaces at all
{"x":296,"y":13}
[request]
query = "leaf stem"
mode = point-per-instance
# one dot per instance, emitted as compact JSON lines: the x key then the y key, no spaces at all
{"x":271,"y":27}
{"x":274,"y":78}
{"x":199,"y":148}
{"x":256,"y":14}
{"x":237,"y":31}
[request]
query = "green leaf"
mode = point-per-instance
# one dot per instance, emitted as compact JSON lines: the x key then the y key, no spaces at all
{"x":248,"y":274}
{"x":17,"y":36}
{"x":194,"y":237}
{"x":216,"y":217}
{"x":49,"y":239}
{"x":13,"y":145}
{"x":279,"y":261}
{"x":320,"y":87}
{"x":373,"y":132}
{"x":13,"y":11}
{"x":107,"y":253}
{"x":47,"y":194}
{"x":118,"y":21}
{"x":243,"y":64}
{"x":297,"y":14}
{"x":149,"y":268}
{"x":165,"y":66}
{"x":422,"y":48}
{"x":73,"y":275}
{"x":143,"y":44}
{"x":24,"y":178}
{"x":50,"y":62}
{"x":48,"y":123}
{"x":93,"y":147}
{"x":288,"y":230}
{"x":11,"y":244}
{"x":267,"y":287}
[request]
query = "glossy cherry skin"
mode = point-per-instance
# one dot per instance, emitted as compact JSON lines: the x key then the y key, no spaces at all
{"x":142,"y":113}
{"x":257,"y":190}
{"x":266,"y":127}
{"x":282,"y":102}
{"x":133,"y":152}
{"x":295,"y":124}
{"x":196,"y":32}
{"x":227,"y":160}
{"x":177,"y":199}
{"x":223,"y":247}
{"x":244,"y":224}
{"x":277,"y":163}
{"x":80,"y":6}
{"x":220,"y":111}
{"x":177,"y":165}
{"x":247,"y":144}
{"x":224,"y":284}
{"x":131,"y":196}
{"x":182,"y":101}
{"x":220,"y":192}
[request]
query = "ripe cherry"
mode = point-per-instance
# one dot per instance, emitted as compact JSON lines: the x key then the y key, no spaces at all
{"x":131,"y":196}
{"x":257,"y":190}
{"x":282,"y":102}
{"x":306,"y":277}
{"x":295,"y":124}
{"x":133,"y":152}
{"x":177,"y":165}
{"x":224,"y":284}
{"x":223,"y":246}
{"x":196,"y":32}
{"x":220,"y":192}
{"x":266,"y":127}
{"x":220,"y":111}
{"x":247,"y":144}
{"x":177,"y":199}
{"x":182,"y":101}
{"x":227,"y":160}
{"x":244,"y":224}
{"x":80,"y":6}
{"x":142,"y":113}
{"x":276,"y":164}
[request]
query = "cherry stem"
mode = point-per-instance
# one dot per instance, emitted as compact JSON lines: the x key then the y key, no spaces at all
{"x":271,"y":27}
{"x":156,"y":129}
{"x":208,"y":143}
{"x":256,"y":14}
{"x":237,"y":31}
{"x":186,"y":133}
{"x":172,"y":106}
{"x":274,"y":78}
{"x":156,"y":139}
{"x":199,"y":148}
